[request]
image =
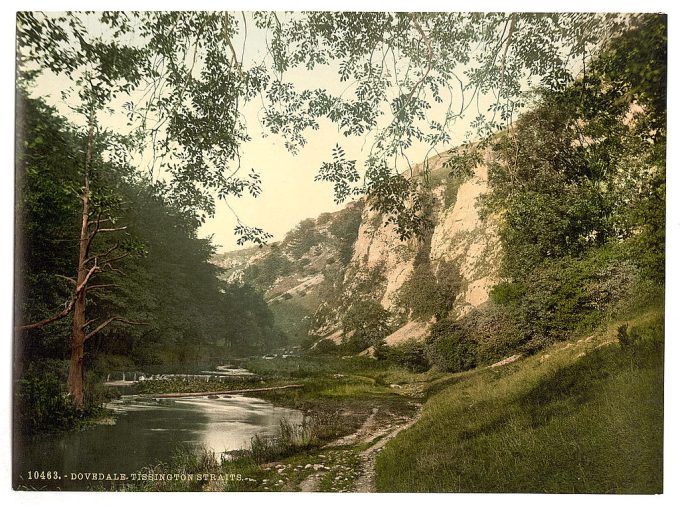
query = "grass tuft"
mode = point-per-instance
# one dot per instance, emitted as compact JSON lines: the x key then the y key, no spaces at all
{"x":582,"y":417}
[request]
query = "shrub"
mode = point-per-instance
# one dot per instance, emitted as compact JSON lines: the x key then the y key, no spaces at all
{"x":450,"y":348}
{"x":494,"y":328}
{"x":264,"y":272}
{"x":42,"y":402}
{"x":627,"y":339}
{"x":366,"y":323}
{"x":425,"y":294}
{"x":410,"y":354}
{"x":565,"y":296}
{"x":505,"y":293}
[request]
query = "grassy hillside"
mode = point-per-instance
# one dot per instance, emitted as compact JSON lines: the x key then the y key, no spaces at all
{"x":583,"y":416}
{"x":300,"y":272}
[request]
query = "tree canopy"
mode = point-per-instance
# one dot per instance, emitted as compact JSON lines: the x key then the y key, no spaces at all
{"x":186,"y":77}
{"x":166,"y":280}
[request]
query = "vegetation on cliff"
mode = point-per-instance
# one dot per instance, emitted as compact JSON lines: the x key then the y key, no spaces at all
{"x":579,"y":185}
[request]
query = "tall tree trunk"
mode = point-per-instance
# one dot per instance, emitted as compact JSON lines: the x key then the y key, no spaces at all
{"x":75,"y":366}
{"x":75,"y":369}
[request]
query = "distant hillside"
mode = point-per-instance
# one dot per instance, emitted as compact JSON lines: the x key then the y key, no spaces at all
{"x":233,"y":262}
{"x":314,"y":278}
{"x":447,"y":273}
{"x":293,"y":274}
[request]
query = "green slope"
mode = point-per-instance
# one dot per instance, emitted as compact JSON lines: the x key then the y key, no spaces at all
{"x":585,"y":416}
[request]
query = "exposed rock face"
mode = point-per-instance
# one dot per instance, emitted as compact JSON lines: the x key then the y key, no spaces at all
{"x":383,"y":262}
{"x":460,"y":236}
{"x":378,"y":247}
{"x":411,"y":330}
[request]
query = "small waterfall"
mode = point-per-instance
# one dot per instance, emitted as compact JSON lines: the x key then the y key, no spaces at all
{"x":108,"y":378}
{"x":123,"y":376}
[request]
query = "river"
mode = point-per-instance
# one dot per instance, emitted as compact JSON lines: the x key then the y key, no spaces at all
{"x":147,"y":431}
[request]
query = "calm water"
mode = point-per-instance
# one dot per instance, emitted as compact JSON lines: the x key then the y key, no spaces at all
{"x":146,"y":432}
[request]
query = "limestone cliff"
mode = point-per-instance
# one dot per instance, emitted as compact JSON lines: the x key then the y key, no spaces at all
{"x":459,"y":236}
{"x":350,"y":259}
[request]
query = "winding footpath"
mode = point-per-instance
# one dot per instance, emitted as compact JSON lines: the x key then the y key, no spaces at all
{"x":371,"y":431}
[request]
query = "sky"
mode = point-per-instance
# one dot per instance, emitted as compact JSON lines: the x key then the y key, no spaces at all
{"x":290,"y":193}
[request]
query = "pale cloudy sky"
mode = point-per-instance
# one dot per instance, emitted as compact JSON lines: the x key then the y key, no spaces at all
{"x":290,"y":193}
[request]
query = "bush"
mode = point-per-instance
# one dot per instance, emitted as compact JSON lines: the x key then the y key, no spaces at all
{"x":566,"y":296}
{"x":366,"y":323}
{"x":450,"y":348}
{"x":410,"y":354}
{"x":265,"y":271}
{"x":494,"y":328}
{"x":426,"y":294}
{"x":627,"y":339}
{"x":506,"y":293}
{"x":42,"y":402}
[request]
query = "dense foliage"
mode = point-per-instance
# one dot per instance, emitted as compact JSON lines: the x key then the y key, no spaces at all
{"x":365,"y":323}
{"x":179,"y":69}
{"x":429,"y":292}
{"x":579,"y":184}
{"x":302,"y":238}
{"x":164,"y":282}
{"x":345,"y":228}
{"x":450,"y":347}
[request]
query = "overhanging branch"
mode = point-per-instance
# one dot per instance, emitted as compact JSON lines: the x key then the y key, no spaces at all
{"x":53,"y":318}
{"x":107,"y":322}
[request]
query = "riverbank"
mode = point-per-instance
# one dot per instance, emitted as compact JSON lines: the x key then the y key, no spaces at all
{"x":568,"y":419}
{"x":349,"y":406}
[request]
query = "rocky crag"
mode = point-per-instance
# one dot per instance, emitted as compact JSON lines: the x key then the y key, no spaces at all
{"x":312,"y":276}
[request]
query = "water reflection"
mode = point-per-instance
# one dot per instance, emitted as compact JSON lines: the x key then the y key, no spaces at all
{"x":147,"y":431}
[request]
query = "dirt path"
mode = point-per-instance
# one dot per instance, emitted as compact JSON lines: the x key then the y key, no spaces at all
{"x":366,"y":432}
{"x":374,"y":427}
{"x":310,"y":484}
{"x":366,"y":481}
